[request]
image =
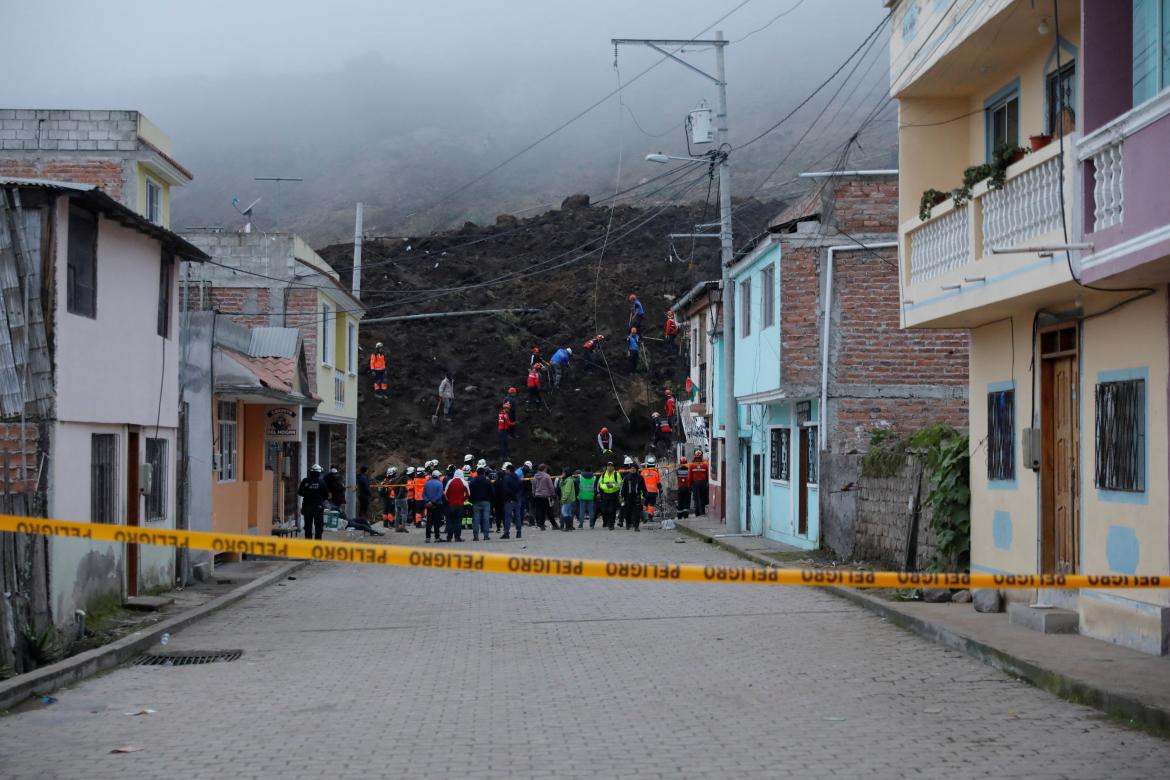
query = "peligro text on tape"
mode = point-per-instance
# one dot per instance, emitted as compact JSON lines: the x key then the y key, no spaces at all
{"x":502,"y":563}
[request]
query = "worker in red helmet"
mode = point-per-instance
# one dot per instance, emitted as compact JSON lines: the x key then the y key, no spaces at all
{"x":637,"y":311}
{"x":605,"y":441}
{"x":592,"y":349}
{"x":534,"y":379}
{"x":634,"y":345}
{"x":671,"y":406}
{"x":509,"y":404}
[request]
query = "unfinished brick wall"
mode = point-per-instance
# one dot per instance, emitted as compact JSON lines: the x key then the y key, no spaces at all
{"x":246,"y":305}
{"x":19,"y":464}
{"x":799,"y":295}
{"x":865,"y":204}
{"x":302,"y":312}
{"x":106,"y":174}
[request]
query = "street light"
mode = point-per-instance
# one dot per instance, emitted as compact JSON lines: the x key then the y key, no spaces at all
{"x":659,"y":157}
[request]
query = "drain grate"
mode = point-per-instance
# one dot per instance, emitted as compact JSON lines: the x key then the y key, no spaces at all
{"x":188,"y":658}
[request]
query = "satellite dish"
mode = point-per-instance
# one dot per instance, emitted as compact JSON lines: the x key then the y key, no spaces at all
{"x":247,"y":213}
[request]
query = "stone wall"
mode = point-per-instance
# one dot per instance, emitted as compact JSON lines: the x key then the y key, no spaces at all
{"x":884,"y":517}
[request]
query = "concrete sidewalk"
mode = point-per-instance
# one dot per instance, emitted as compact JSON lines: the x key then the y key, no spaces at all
{"x":1117,"y":680}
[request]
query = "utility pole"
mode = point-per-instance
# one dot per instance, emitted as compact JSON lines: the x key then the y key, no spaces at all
{"x":351,"y":429}
{"x":731,"y":471}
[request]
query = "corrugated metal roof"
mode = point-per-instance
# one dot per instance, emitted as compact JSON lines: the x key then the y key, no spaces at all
{"x":96,"y":199}
{"x":274,"y":342}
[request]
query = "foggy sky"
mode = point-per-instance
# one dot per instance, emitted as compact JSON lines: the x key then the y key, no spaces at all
{"x":396,"y":102}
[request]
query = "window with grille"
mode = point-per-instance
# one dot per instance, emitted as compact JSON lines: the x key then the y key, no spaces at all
{"x":745,"y":308}
{"x":226,"y":447}
{"x":81,"y":263}
{"x":1121,"y":435}
{"x":339,"y":392}
{"x":1060,"y":93}
{"x":103,"y":478}
{"x":780,"y":452}
{"x":156,"y":497}
{"x":813,"y":464}
{"x":768,"y":297}
{"x":1001,"y":462}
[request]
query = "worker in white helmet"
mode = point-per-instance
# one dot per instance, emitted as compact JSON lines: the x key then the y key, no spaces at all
{"x":378,"y":370}
{"x":560,"y":362}
{"x":314,"y":493}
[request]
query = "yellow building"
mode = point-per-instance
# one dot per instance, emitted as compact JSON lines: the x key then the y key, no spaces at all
{"x":1068,"y":383}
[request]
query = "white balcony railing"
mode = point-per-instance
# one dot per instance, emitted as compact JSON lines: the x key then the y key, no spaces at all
{"x":1028,"y":205}
{"x":940,"y":245}
{"x":1108,"y":195}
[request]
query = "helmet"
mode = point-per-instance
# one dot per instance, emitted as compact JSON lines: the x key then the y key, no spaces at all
{"x":605,"y":430}
{"x":378,"y":345}
{"x":436,"y":474}
{"x":511,"y":391}
{"x":450,"y":467}
{"x":628,"y":461}
{"x":683,"y":459}
{"x":650,"y":460}
{"x":466,"y":469}
{"x":634,"y":331}
{"x":468,"y":458}
{"x":409,"y":471}
{"x":569,"y":350}
{"x":654,"y":414}
{"x":698,"y":453}
{"x":527,"y":464}
{"x":482,"y":464}
{"x":390,"y":472}
{"x":316,"y":467}
{"x":332,"y":469}
{"x":633,"y":297}
{"x":536,"y":350}
{"x":507,"y":464}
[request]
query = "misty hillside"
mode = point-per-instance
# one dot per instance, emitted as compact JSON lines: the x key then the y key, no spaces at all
{"x":486,"y":354}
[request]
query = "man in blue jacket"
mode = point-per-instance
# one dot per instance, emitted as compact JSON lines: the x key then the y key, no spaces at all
{"x":637,"y":311}
{"x":560,"y":361}
{"x":434,"y":504}
{"x":481,"y":504}
{"x":634,"y":344}
{"x":513,"y":489}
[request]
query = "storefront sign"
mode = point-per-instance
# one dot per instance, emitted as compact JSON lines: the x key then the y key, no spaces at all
{"x":282,"y":423}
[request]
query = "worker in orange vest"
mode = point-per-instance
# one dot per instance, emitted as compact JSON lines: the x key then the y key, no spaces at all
{"x":378,"y":369}
{"x":415,"y":489}
{"x":653,"y":480}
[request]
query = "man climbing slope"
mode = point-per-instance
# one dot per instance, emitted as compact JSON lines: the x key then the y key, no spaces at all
{"x":560,"y":362}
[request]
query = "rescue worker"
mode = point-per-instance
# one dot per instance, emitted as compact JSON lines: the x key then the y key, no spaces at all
{"x":314,"y":493}
{"x":378,"y":370}
{"x":498,"y":497}
{"x":386,"y":494}
{"x":682,"y":473}
{"x":534,"y":357}
{"x":513,"y":489}
{"x":466,"y":475}
{"x":543,"y":498}
{"x":415,"y":489}
{"x":631,"y":492}
{"x":671,"y":406}
{"x":534,"y":386}
{"x":509,"y":403}
{"x":480,"y":495}
{"x":586,"y":497}
{"x":434,"y":504}
{"x":652,"y":481}
{"x":504,"y":425}
{"x":592,"y":349}
{"x":605,"y":441}
{"x":637,"y":311}
{"x":634,"y":345}
{"x":525,"y":475}
{"x":401,"y":502}
{"x":661,"y":430}
{"x":560,"y":362}
{"x":608,"y":485}
{"x":336,"y":487}
{"x":699,"y":486}
{"x":468,"y":459}
{"x":671,"y":333}
{"x":567,"y":490}
{"x":446,"y":395}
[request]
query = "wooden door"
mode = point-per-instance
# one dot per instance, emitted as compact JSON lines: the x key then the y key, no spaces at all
{"x":1059,"y":524}
{"x":133,"y":500}
{"x":799,"y":484}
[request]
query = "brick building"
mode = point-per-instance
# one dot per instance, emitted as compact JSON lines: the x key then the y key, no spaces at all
{"x":823,"y":361}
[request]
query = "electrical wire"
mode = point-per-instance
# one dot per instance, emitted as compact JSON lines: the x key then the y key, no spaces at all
{"x":771,"y":22}
{"x":617,"y":183}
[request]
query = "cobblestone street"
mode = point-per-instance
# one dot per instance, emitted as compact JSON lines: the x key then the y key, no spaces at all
{"x":364,"y":672}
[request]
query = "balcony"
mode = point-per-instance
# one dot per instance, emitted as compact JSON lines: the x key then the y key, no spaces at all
{"x":950,"y":276}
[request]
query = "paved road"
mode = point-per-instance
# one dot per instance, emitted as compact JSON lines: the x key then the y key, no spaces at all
{"x":365,"y":672}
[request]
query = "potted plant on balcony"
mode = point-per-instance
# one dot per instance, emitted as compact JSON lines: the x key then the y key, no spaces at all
{"x":1001,"y":158}
{"x":1039,"y":141}
{"x":971,"y":176}
{"x":930,"y":199}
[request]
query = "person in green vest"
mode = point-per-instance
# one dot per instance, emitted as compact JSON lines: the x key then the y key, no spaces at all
{"x":609,"y":483}
{"x":567,"y":490}
{"x":586,"y":496}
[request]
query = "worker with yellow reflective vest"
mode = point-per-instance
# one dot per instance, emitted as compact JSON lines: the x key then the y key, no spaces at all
{"x":378,"y":369}
{"x":608,"y":485}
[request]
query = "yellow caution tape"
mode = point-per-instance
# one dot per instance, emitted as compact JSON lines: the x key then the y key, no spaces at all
{"x":502,"y":563}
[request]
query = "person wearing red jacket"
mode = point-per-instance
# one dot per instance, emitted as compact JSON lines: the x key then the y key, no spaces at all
{"x":592,"y":349}
{"x":534,"y":386}
{"x":504,"y":424}
{"x":700,"y":489}
{"x":671,"y":333}
{"x":671,"y":407}
{"x":682,"y":473}
{"x":456,"y":494}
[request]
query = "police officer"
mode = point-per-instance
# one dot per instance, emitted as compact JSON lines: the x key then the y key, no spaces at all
{"x":314,"y":493}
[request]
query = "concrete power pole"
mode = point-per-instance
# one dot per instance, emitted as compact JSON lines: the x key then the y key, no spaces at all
{"x":351,"y":429}
{"x":731,"y":471}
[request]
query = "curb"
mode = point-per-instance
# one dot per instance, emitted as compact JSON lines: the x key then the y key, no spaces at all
{"x":1071,"y":688}
{"x":76,"y":668}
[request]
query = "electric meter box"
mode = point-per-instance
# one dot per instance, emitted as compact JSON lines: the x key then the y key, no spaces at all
{"x":702,"y":125}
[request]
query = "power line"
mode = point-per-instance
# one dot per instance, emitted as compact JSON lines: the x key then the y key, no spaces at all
{"x":771,"y":22}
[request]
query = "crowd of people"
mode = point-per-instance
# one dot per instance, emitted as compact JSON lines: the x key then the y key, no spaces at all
{"x":444,"y":503}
